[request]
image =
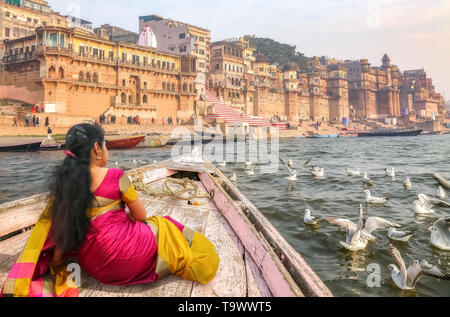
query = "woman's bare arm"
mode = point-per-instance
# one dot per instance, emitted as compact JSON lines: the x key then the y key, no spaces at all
{"x":137,"y":210}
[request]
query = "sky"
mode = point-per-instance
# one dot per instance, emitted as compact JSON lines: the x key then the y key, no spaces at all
{"x":414,"y":33}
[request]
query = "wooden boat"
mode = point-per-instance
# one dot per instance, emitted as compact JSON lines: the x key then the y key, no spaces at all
{"x":255,"y":260}
{"x":390,"y":133}
{"x":28,"y":147}
{"x":318,"y":136}
{"x":124,"y":143}
{"x":154,"y":141}
{"x":52,"y":145}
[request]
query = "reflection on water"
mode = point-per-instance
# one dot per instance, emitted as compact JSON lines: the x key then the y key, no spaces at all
{"x":336,"y":195}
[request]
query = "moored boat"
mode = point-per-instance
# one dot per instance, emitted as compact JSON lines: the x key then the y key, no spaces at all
{"x":255,"y":260}
{"x":390,"y":133}
{"x":154,"y":141}
{"x":28,"y":147}
{"x":124,"y":143}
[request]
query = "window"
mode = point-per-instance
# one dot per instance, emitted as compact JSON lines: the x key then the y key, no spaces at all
{"x":202,"y":39}
{"x":35,"y":21}
{"x":201,"y":52}
{"x":111,"y":55}
{"x":8,"y":14}
{"x":201,"y":65}
{"x":145,"y":85}
{"x":81,"y":76}
{"x":173,"y":86}
{"x":28,"y":19}
{"x":182,"y":49}
{"x":124,"y":82}
{"x":182,"y":36}
{"x":95,"y":52}
{"x":164,"y":85}
{"x":123,"y":98}
{"x":217,"y":66}
{"x":145,"y":99}
{"x":7,"y":31}
{"x":95,"y":78}
{"x":16,"y":32}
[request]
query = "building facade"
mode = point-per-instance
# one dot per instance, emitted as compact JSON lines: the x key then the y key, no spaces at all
{"x":75,"y":72}
{"x":176,"y":37}
{"x":20,"y":18}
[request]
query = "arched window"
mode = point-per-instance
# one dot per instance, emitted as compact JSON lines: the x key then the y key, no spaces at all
{"x":130,"y":99}
{"x":164,"y":85}
{"x":88,"y":77}
{"x":61,"y":73}
{"x":95,"y":78}
{"x":184,"y":87}
{"x":173,"y":86}
{"x":81,"y":76}
{"x":191,"y":89}
{"x":145,"y":99}
{"x":232,"y":81}
{"x":124,"y":82}
{"x":52,"y":72}
{"x":123,"y":98}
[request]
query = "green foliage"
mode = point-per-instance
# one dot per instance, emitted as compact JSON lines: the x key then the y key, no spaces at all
{"x":277,"y":53}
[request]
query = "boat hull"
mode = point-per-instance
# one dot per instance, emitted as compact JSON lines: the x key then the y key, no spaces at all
{"x":390,"y":134}
{"x":154,"y":142}
{"x":126,"y":143}
{"x":29,"y":147}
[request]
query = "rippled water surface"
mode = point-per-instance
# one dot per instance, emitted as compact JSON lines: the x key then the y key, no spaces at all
{"x":338,"y":195}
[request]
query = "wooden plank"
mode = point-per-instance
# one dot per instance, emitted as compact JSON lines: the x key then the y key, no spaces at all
{"x":9,"y":252}
{"x":230,"y":280}
{"x":272,"y":275}
{"x":20,"y":217}
{"x":256,"y":285}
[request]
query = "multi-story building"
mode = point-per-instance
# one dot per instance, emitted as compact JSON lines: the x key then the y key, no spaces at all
{"x":116,"y":34}
{"x":73,"y":71}
{"x":373,"y":91}
{"x":20,"y":18}
{"x":185,"y":39}
{"x":418,"y":95}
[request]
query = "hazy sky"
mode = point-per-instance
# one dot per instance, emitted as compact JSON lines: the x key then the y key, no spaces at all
{"x":415,"y":33}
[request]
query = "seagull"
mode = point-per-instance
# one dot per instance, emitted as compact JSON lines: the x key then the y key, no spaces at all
{"x":406,"y":279}
{"x":367,"y":180}
{"x":442,"y":181}
{"x":358,"y":236}
{"x":390,"y":172}
{"x":429,"y":202}
{"x":397,"y":235}
{"x":319,"y":173}
{"x":374,"y":200}
{"x":290,"y":163}
{"x":421,"y":209}
{"x":233,"y":178}
{"x":250,"y":172}
{"x":293,"y":178}
{"x":440,"y":234}
{"x":407,"y":184}
{"x":308,"y":219}
{"x":223,"y":164}
{"x":441,"y":192}
{"x":351,"y":172}
{"x":248,"y":164}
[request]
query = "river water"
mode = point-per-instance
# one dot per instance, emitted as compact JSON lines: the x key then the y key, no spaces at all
{"x":337,"y":195}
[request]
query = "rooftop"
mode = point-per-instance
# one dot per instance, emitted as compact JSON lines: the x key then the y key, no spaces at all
{"x":155,"y":17}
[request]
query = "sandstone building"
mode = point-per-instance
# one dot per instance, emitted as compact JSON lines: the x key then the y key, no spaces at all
{"x":73,"y":71}
{"x":180,"y":38}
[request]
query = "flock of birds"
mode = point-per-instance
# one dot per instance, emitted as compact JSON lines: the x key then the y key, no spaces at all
{"x":358,"y":235}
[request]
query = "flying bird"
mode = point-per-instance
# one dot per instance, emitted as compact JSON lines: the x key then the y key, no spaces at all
{"x":406,"y":279}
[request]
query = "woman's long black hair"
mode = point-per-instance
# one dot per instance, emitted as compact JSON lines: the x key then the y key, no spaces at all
{"x":70,"y":188}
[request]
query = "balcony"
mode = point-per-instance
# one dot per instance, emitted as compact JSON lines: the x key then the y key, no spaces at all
{"x":17,"y":58}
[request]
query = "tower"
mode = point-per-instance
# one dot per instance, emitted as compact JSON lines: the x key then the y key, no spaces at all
{"x":147,"y":37}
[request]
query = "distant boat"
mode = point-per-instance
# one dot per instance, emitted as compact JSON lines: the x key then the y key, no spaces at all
{"x":52,"y":147}
{"x":29,"y":147}
{"x":124,"y":143}
{"x":154,"y":141}
{"x":390,"y":132}
{"x":317,"y":136}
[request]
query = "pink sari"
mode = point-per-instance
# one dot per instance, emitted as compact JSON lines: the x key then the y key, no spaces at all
{"x":118,"y":251}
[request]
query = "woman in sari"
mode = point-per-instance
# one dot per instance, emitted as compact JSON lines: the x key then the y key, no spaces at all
{"x":86,"y":218}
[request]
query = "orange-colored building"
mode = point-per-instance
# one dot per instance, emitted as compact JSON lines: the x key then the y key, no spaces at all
{"x":73,"y":71}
